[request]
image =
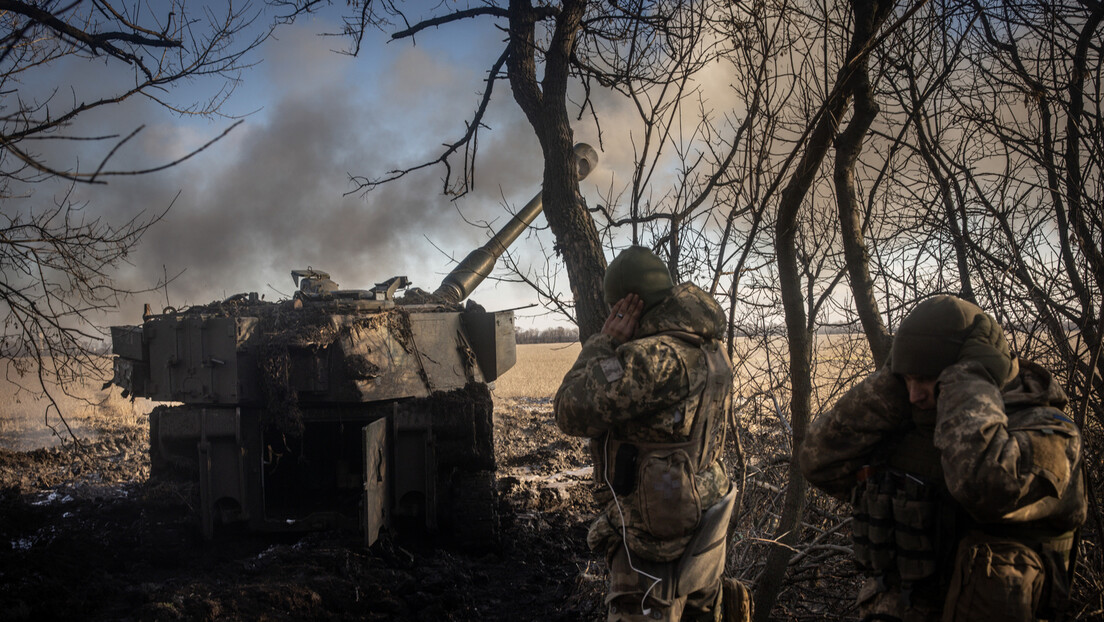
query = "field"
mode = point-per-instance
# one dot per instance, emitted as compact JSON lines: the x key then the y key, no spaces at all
{"x":540,"y":368}
{"x":26,"y":422}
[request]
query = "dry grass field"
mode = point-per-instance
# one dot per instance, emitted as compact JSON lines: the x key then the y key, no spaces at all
{"x":27,"y":420}
{"x":540,"y":368}
{"x":26,"y":424}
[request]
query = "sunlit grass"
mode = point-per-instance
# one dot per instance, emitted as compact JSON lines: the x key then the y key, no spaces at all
{"x":27,"y":420}
{"x":539,"y":370}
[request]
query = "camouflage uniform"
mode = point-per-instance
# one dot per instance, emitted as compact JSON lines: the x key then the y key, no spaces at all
{"x":966,"y":512}
{"x":645,"y":393}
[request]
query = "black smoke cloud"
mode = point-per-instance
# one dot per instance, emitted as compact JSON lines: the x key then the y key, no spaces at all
{"x":274,"y":195}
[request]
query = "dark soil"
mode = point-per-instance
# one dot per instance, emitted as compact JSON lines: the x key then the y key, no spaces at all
{"x":84,"y":535}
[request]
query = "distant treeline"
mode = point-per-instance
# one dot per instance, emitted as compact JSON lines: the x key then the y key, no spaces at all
{"x":556,"y":334}
{"x":560,"y":334}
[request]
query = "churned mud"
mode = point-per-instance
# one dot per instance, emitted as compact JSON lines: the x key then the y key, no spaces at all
{"x":85,"y":535}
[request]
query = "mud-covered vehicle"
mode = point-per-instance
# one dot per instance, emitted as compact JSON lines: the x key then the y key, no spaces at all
{"x":336,"y":407}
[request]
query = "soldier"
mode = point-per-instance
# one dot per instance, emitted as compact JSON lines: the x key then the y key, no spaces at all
{"x":651,"y":392}
{"x":963,"y":473}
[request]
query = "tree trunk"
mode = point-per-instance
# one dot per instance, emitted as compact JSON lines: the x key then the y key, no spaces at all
{"x":545,"y":105}
{"x":848,"y":148}
{"x":869,"y":15}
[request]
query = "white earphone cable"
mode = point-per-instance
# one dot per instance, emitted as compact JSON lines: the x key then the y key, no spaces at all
{"x":624,"y":535}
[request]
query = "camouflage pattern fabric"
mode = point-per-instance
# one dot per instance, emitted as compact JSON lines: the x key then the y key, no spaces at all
{"x":859,"y":430}
{"x":1021,"y":467}
{"x":1009,"y":460}
{"x":644,"y":391}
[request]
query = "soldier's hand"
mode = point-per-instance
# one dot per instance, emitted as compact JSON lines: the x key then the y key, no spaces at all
{"x":986,"y":345}
{"x":621,"y":323}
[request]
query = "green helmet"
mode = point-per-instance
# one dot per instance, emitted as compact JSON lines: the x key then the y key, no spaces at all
{"x":932,"y":335}
{"x":636,"y":270}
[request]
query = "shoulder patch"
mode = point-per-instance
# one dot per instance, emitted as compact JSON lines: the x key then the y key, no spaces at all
{"x":611,"y":367}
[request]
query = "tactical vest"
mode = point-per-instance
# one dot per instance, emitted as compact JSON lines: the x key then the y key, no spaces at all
{"x":906,"y":522}
{"x":659,"y":480}
{"x":661,"y":477}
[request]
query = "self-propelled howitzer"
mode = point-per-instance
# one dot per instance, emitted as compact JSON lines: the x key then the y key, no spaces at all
{"x":336,"y":407}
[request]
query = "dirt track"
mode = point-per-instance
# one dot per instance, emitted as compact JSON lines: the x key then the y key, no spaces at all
{"x":83,"y":535}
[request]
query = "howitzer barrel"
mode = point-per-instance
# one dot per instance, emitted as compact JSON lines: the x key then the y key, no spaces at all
{"x":477,"y":266}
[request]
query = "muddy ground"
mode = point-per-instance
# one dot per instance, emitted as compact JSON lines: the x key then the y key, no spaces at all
{"x":84,"y":535}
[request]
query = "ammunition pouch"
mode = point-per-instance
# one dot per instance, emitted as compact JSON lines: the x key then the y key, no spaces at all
{"x":660,"y":481}
{"x":700,"y":566}
{"x":703,"y":562}
{"x":667,"y":499}
{"x":995,"y":578}
{"x":905,"y":526}
{"x":899,"y":524}
{"x":737,"y":601}
{"x":994,"y":557}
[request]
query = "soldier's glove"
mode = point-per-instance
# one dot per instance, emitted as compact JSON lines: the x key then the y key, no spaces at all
{"x":986,"y":344}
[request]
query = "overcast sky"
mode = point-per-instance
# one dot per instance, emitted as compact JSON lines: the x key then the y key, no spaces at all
{"x":269,"y":197}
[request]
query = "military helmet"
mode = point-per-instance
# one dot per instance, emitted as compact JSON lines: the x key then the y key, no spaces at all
{"x":636,"y":270}
{"x":931,"y":335}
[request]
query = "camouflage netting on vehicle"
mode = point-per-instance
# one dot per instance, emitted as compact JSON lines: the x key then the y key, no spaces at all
{"x":281,"y":402}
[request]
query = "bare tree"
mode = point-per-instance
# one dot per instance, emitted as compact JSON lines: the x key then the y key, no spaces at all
{"x":576,"y":45}
{"x":545,"y":105}
{"x":1005,"y":131}
{"x":1044,"y":56}
{"x":867,"y":19}
{"x":966,"y":161}
{"x":159,"y":47}
{"x":58,"y":260}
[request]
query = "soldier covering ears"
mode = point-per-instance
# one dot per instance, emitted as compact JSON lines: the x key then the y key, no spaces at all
{"x":963,"y":472}
{"x":651,"y":392}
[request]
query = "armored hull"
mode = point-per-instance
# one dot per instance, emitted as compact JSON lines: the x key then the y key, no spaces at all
{"x":337,"y":407}
{"x":293,"y":411}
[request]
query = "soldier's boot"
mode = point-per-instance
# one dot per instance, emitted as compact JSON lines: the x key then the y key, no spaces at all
{"x":736,"y":602}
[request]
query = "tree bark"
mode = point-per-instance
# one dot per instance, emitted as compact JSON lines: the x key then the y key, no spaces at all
{"x":545,"y":106}
{"x":848,"y":148}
